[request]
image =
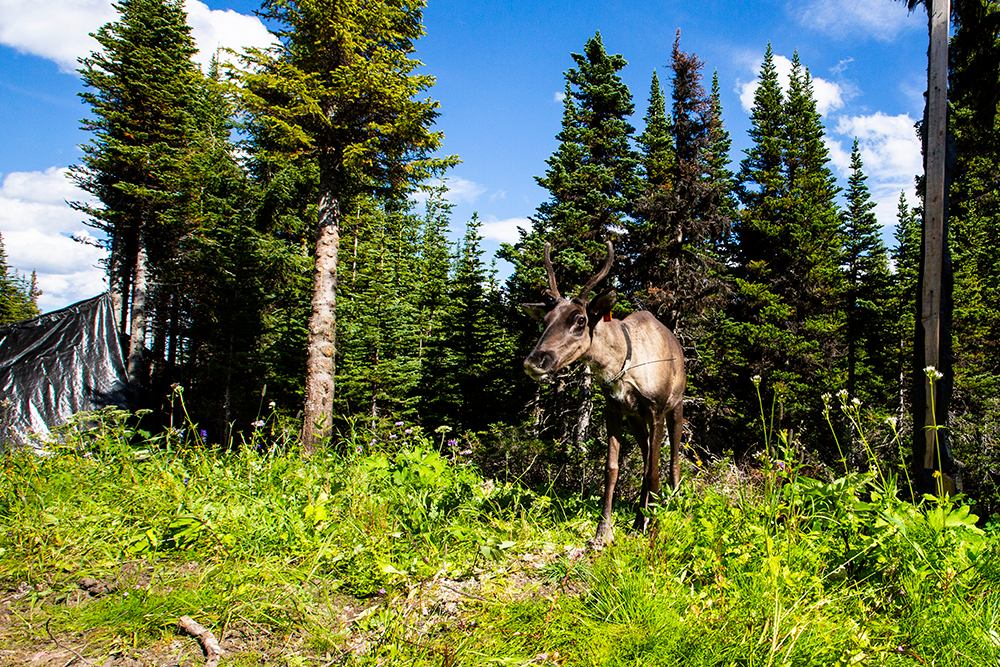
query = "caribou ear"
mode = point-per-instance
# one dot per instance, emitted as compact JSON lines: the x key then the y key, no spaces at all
{"x":536,"y":310}
{"x":601,"y":305}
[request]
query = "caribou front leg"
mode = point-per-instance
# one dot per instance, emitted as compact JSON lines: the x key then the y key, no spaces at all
{"x":605,"y":529}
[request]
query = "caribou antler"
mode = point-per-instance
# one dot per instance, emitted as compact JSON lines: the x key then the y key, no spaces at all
{"x":601,"y":275}
{"x":553,"y":288}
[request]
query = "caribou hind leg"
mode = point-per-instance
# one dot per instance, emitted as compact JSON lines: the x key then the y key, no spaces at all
{"x":613,"y":417}
{"x":651,"y":470}
{"x":640,"y":431}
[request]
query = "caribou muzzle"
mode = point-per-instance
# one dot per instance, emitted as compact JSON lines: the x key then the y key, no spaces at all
{"x":539,"y":365}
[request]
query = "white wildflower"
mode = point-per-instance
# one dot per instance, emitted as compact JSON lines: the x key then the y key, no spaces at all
{"x":933,"y":373}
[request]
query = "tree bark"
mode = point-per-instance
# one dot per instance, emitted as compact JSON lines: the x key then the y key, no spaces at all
{"x":137,"y":342}
{"x":583,"y":412}
{"x":322,"y":343}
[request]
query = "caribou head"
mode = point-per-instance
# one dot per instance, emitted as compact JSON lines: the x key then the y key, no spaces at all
{"x":567,"y":323}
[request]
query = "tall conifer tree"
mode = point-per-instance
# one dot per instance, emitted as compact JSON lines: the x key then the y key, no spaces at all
{"x":678,"y":260}
{"x":341,"y":87}
{"x":140,"y":88}
{"x":656,"y":143}
{"x":787,"y":251}
{"x":592,"y":177}
{"x":870,"y":317}
{"x":906,"y":260}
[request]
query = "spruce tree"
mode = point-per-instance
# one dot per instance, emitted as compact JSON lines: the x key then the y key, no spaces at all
{"x":906,"y":260}
{"x":869,"y":315}
{"x":787,"y":254}
{"x":678,"y":262}
{"x":459,"y":371}
{"x":382,"y":339}
{"x":718,"y":159}
{"x":140,"y":88}
{"x":592,"y":178}
{"x":656,"y":143}
{"x":17,"y":295}
{"x":658,"y":166}
{"x":684,"y":224}
{"x":341,"y":88}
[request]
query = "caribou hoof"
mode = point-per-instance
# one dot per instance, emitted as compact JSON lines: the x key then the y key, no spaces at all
{"x":641,"y":523}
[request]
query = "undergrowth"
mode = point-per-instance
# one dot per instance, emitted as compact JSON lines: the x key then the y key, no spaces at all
{"x":349,"y":553}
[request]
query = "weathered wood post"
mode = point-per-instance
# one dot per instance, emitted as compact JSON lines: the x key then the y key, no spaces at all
{"x":931,"y":398}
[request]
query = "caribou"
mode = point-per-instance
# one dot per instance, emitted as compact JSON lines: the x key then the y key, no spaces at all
{"x":640,"y":366}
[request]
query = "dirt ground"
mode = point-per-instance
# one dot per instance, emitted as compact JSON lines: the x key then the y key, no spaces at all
{"x":28,"y":635}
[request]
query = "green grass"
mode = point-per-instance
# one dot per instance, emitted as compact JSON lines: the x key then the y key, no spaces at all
{"x":383,"y":551}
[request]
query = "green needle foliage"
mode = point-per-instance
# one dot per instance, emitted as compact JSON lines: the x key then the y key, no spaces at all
{"x":787,"y":250}
{"x":592,"y":178}
{"x":18,"y":297}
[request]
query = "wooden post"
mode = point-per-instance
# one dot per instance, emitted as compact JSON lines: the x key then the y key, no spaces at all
{"x":934,"y":206}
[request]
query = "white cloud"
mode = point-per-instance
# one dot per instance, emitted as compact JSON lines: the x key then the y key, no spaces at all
{"x":829,"y":95}
{"x":36,"y":224}
{"x":890,"y":151}
{"x":881,"y":20}
{"x":559,"y":97}
{"x":214,"y":29}
{"x":59,"y":30}
{"x":505,"y":231}
{"x":461,"y":190}
{"x":889,"y":145}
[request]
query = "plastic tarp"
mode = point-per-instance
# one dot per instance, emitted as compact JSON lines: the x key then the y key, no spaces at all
{"x":56,"y":365}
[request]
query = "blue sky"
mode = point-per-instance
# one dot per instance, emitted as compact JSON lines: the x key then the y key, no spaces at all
{"x":499,"y":69}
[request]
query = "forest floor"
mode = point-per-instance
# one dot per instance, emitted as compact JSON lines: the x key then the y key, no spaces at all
{"x":389,"y":552}
{"x":34,"y":618}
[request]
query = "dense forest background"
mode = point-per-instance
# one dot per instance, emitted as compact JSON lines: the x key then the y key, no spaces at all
{"x":214,"y":188}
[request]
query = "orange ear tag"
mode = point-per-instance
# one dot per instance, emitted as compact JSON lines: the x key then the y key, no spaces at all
{"x":607,"y":317}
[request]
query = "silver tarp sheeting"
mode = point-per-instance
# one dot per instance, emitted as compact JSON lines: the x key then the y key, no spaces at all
{"x":56,"y":365}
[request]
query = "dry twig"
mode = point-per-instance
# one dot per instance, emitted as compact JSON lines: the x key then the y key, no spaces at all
{"x":60,"y":645}
{"x":213,"y":652}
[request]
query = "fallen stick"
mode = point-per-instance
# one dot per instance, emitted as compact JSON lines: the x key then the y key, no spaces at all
{"x":213,"y":652}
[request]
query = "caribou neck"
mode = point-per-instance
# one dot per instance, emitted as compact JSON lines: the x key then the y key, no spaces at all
{"x":610,"y":352}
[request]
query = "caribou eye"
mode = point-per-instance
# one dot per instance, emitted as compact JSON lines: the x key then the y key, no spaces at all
{"x":580,"y":320}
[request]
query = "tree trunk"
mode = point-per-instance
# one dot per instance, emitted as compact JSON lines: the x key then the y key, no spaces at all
{"x":322,"y":343}
{"x":583,"y":412}
{"x":137,"y":342}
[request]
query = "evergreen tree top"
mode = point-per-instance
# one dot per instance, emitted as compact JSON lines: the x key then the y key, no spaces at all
{"x":341,"y":87}
{"x":656,"y":143}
